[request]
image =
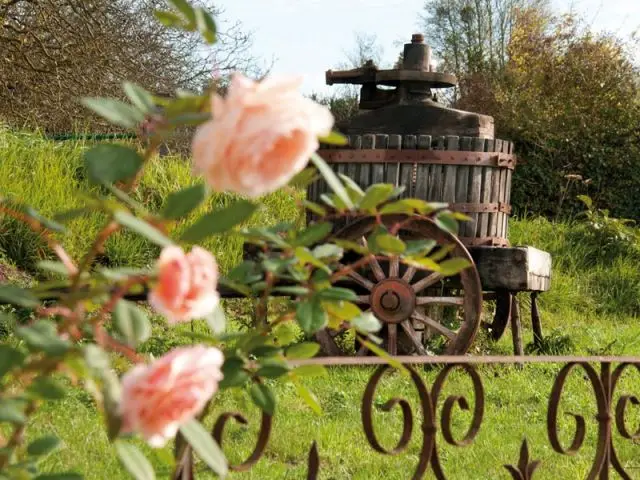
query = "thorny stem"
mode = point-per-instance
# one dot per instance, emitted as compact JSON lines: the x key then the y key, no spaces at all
{"x":37,"y":227}
{"x":17,"y":435}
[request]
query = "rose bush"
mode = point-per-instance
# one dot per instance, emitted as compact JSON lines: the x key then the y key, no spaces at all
{"x":256,"y":139}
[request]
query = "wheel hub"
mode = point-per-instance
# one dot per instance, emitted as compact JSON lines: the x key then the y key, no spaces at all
{"x":393,"y":300}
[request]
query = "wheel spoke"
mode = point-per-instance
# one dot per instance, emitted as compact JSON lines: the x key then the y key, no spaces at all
{"x":430,"y":322}
{"x":359,"y":279}
{"x":439,"y":301}
{"x":363,"y":299}
{"x":426,"y":281}
{"x":394,"y":267}
{"x":409,"y":274}
{"x":413,"y":337}
{"x":375,"y":265}
{"x":392,"y":338}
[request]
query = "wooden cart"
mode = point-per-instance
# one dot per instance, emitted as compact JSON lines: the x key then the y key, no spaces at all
{"x":405,"y":137}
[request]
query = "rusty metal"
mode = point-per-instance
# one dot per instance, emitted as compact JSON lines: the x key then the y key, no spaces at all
{"x":481,"y":207}
{"x":484,"y":241}
{"x":393,"y":300}
{"x":435,"y":157}
{"x":436,"y":413}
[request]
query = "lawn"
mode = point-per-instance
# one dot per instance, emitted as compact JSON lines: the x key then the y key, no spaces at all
{"x":591,"y":310}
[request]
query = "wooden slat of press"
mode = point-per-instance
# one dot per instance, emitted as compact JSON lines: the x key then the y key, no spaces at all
{"x":485,"y":195}
{"x":494,"y":218}
{"x":377,"y":169}
{"x":423,"y":171}
{"x":449,"y":193}
{"x":364,"y":169}
{"x":509,"y":187}
{"x":355,"y":142}
{"x":506,"y":148}
{"x":462,"y":185}
{"x":392,"y":171}
{"x":409,"y":142}
{"x":475,"y":188}
{"x":502,"y":218}
{"x":435,"y":193}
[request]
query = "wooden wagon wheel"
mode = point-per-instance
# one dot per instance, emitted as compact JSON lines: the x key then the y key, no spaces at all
{"x":398,"y":294}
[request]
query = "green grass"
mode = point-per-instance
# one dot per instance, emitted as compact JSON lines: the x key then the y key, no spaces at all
{"x":591,"y":309}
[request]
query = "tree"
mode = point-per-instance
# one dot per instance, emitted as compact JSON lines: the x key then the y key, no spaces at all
{"x":56,"y":50}
{"x":472,"y":36}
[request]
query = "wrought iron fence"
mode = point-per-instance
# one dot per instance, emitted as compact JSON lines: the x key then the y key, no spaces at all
{"x":602,"y":374}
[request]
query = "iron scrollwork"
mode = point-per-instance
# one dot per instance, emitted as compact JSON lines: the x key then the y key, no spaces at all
{"x":604,"y":385}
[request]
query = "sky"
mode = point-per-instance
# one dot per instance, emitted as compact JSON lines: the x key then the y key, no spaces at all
{"x":308,"y":37}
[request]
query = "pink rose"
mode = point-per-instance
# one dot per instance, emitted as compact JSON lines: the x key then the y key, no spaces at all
{"x":158,"y":398}
{"x":186,"y":287}
{"x":260,"y":136}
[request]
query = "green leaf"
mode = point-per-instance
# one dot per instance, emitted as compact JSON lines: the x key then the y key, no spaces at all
{"x":47,"y":388}
{"x":10,"y":413}
{"x":134,"y":461}
{"x":334,"y":138}
{"x":184,"y":202}
{"x":115,"y":111}
{"x":302,"y":350}
{"x":337,"y":293}
{"x":110,"y":163}
{"x":59,"y":476}
{"x":96,"y":358}
{"x":53,"y":267}
{"x":206,"y":25}
{"x":10,"y":358}
{"x":332,"y":180}
{"x":305,"y":178}
{"x":314,"y":207}
{"x":185,"y":9}
{"x":131,"y":322}
{"x":310,"y":371}
{"x":454,"y":266}
{"x":263,"y":397}
{"x":353,"y":246}
{"x":375,"y":195}
{"x":139,"y":97}
{"x":71,"y":214}
{"x":309,"y":398}
{"x":293,"y":290}
{"x":313,"y":234}
{"x":234,"y":373}
{"x":216,"y":320}
{"x":328,"y":250}
{"x":219,"y":221}
{"x":311,"y":316}
{"x":14,"y":295}
{"x":383,"y":354}
{"x":205,"y":446}
{"x":33,"y":213}
{"x":419,"y":247}
{"x":447,"y":223}
{"x":42,"y":336}
{"x":142,"y":228}
{"x":168,"y":19}
{"x":389,"y":243}
{"x":366,"y":323}
{"x":272,"y":368}
{"x":424,"y":263}
{"x":43,"y":445}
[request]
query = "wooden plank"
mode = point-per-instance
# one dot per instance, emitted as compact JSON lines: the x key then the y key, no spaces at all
{"x":507,"y":192}
{"x":485,"y":195}
{"x":450,"y":171}
{"x":409,"y":142}
{"x":475,"y":188}
{"x":364,"y":169}
{"x":424,"y":175}
{"x":355,"y":142}
{"x":377,"y":169}
{"x":515,"y":269}
{"x":436,"y":173}
{"x":392,"y":171}
{"x":462,"y":186}
{"x":495,"y":193}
